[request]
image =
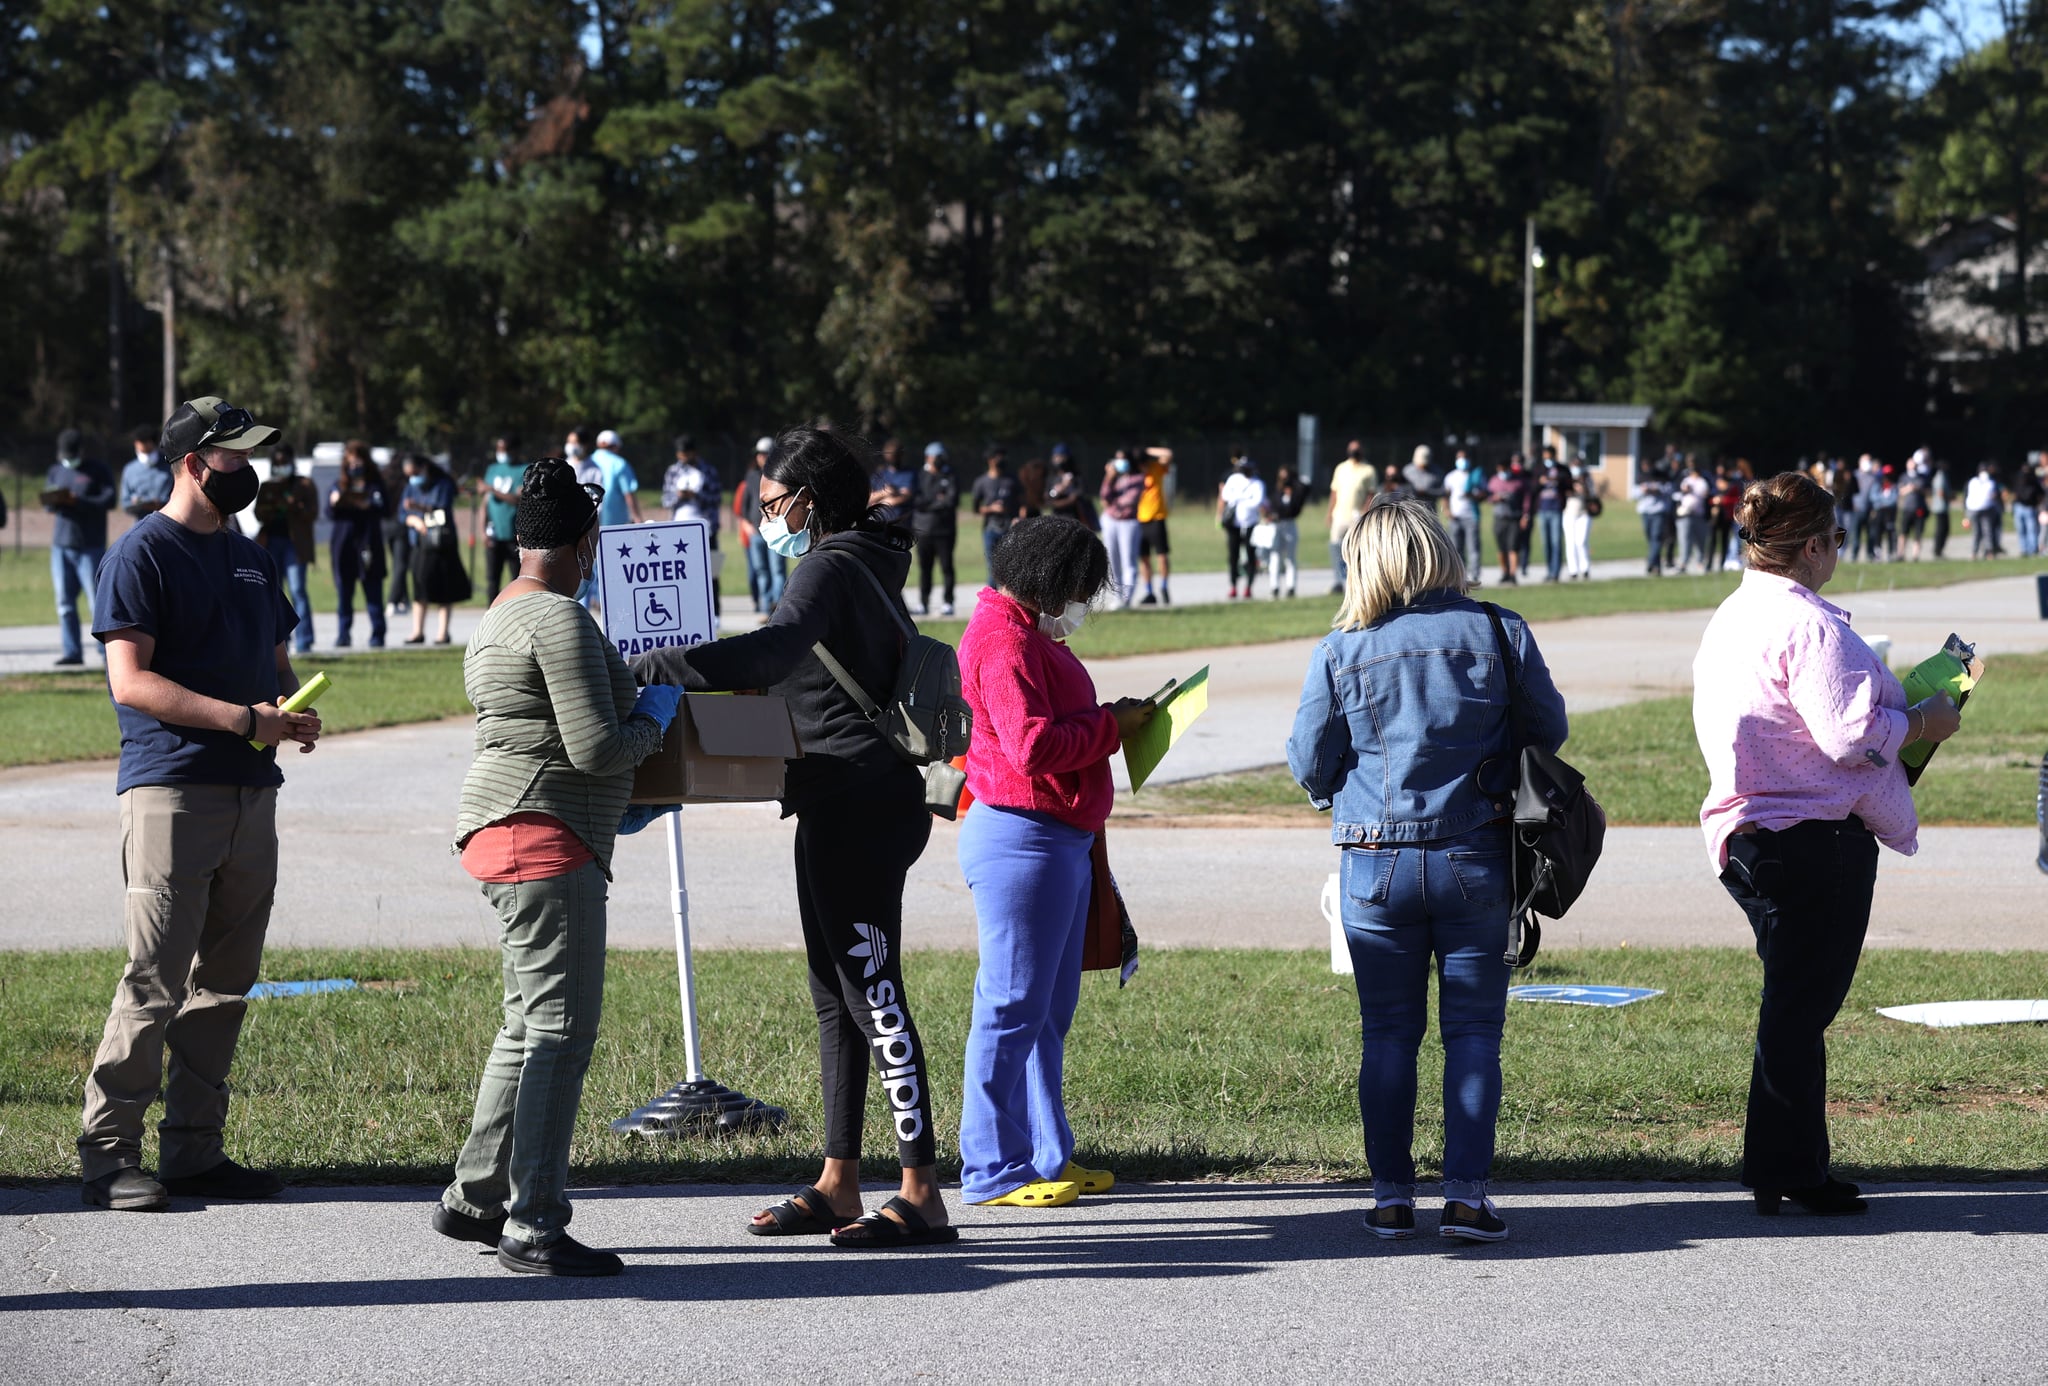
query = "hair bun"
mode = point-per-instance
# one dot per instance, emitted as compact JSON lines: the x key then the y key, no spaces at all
{"x":554,"y":509}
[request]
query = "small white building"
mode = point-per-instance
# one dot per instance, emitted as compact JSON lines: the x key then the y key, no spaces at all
{"x":1609,"y":436}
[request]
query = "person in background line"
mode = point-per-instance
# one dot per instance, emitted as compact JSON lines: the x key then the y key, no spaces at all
{"x":1721,"y":505}
{"x":501,"y":486}
{"x":935,"y":527}
{"x":1581,"y":505}
{"x":79,"y":491}
{"x":286,"y":507}
{"x":861,"y":824}
{"x":397,"y":533}
{"x":1884,"y":515}
{"x":1038,"y":771}
{"x":1985,"y":507}
{"x":146,"y":482}
{"x":1283,"y":511}
{"x":1912,"y":508}
{"x":1352,"y":485}
{"x":1553,"y":484}
{"x":1940,"y":504}
{"x":1031,"y":482}
{"x":1513,"y":502}
{"x":576,"y":451}
{"x":1123,"y":491}
{"x":997,"y":499}
{"x":438,"y":576}
{"x":767,"y":570}
{"x":894,"y":485}
{"x":1404,"y":735}
{"x":559,"y":728}
{"x":2028,"y":497}
{"x":196,"y":629}
{"x":1421,"y":475}
{"x":1691,"y":511}
{"x":1464,"y":506}
{"x":1653,"y":498}
{"x":1065,"y":495}
{"x":1801,"y":727}
{"x":355,"y":543}
{"x":1154,"y":544}
{"x":690,"y":491}
{"x":621,"y":487}
{"x":1240,"y":504}
{"x":1865,"y":477}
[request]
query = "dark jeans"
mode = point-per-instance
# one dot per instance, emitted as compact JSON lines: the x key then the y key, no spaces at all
{"x":1940,"y":532}
{"x":1242,"y":556}
{"x":501,"y":556}
{"x":1552,"y":524}
{"x":853,"y":852}
{"x":349,"y":571}
{"x":1806,"y":890}
{"x":1655,"y":528}
{"x":935,"y":548}
{"x":398,"y":542}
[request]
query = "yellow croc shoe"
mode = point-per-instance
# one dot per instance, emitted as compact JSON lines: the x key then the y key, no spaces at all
{"x":1092,"y":1181}
{"x":1039,"y":1193}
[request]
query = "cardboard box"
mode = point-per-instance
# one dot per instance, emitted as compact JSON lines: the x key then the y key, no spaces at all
{"x":721,"y":749}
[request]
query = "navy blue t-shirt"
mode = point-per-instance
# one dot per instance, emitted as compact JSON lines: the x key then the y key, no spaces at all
{"x":218,"y":614}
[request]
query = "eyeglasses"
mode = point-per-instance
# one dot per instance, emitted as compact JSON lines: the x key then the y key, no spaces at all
{"x":774,"y":508}
{"x":1841,"y":539}
{"x":228,"y":419}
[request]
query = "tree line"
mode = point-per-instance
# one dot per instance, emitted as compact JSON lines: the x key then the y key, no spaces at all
{"x":432,"y":219}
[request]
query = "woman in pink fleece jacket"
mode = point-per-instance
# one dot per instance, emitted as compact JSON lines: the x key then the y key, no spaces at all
{"x":1039,"y":773}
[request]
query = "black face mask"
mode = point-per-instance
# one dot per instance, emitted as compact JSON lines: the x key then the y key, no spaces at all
{"x":230,"y":492}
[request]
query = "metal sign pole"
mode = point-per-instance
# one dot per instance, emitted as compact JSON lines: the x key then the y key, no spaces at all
{"x":693,"y":1053}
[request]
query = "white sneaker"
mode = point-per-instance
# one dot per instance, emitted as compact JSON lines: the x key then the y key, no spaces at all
{"x":946,"y":610}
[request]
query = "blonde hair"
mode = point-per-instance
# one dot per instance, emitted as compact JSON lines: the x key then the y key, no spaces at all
{"x":1393,"y":553}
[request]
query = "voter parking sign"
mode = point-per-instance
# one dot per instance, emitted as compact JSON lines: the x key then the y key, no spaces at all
{"x":655,"y":584}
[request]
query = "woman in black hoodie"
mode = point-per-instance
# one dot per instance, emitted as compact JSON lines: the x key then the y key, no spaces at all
{"x":861,"y":821}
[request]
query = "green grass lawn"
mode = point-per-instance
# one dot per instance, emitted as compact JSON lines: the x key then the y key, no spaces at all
{"x":46,"y":718}
{"x":1211,"y":1064}
{"x":1644,"y":764}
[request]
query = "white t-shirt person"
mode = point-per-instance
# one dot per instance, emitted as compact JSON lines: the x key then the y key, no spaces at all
{"x":1981,"y":494}
{"x":1244,"y":498}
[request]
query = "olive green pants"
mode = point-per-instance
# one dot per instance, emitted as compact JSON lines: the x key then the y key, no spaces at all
{"x":517,"y":1155}
{"x":200,"y":861}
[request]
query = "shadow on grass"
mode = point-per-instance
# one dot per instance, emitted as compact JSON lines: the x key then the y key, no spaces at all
{"x":1140,"y":1235}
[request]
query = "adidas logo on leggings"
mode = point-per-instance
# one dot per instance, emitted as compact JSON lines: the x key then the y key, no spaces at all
{"x":896,"y":1056}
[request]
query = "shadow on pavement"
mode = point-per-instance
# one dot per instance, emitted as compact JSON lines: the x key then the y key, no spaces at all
{"x":1174,"y":1233}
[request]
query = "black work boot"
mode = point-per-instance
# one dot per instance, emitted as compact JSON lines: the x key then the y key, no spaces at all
{"x":227,"y":1181}
{"x":127,"y":1190}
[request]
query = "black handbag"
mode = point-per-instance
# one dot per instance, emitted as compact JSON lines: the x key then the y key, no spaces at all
{"x":1559,"y":827}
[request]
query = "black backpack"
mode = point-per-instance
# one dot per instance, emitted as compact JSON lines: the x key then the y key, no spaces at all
{"x":1559,"y":827}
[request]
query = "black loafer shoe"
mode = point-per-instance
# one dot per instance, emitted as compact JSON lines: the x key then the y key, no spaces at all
{"x":562,"y":1256}
{"x":126,"y":1190}
{"x":227,"y":1181}
{"x":464,"y":1228}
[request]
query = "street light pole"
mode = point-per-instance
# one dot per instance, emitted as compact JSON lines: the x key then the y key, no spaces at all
{"x":1529,"y":262}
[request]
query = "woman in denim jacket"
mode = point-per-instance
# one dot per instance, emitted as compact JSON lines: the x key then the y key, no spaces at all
{"x":1403,"y":732}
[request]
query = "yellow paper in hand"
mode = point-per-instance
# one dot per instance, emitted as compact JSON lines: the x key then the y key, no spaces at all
{"x":1173,"y":716}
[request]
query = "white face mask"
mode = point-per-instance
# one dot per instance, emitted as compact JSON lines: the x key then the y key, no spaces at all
{"x":503,"y":458}
{"x":1062,"y":626}
{"x":572,"y":452}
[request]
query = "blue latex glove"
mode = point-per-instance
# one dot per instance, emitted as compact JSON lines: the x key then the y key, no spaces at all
{"x":659,"y":701}
{"x":639,"y":816}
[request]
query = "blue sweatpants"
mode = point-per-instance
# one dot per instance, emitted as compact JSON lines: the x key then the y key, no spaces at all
{"x":1031,"y":880}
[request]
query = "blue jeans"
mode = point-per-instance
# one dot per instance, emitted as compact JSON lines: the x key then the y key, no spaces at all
{"x":286,"y":555}
{"x":767,"y":570}
{"x":1552,"y":524}
{"x":1031,"y":881}
{"x":2026,"y":522}
{"x":1403,"y":906}
{"x":1337,"y":566}
{"x":1654,"y":529}
{"x":73,"y":571}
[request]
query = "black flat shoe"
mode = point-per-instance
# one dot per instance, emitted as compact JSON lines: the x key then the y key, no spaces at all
{"x":227,"y":1181}
{"x":562,"y":1256}
{"x":464,"y":1228}
{"x":126,"y":1190}
{"x":1833,"y":1199}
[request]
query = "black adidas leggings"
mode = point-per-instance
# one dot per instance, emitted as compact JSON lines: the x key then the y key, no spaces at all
{"x":853,"y":852}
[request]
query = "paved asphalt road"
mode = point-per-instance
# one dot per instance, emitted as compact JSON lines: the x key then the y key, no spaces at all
{"x":1219,"y":1282}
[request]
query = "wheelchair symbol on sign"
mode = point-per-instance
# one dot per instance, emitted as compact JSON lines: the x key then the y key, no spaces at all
{"x":651,"y":612}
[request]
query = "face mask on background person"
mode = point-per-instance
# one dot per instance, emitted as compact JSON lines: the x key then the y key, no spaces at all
{"x":573,"y":452}
{"x":775,"y":534}
{"x":503,"y":458}
{"x":230,"y":492}
{"x":1463,"y":464}
{"x":584,"y":563}
{"x":1065,"y":624}
{"x":1122,"y":464}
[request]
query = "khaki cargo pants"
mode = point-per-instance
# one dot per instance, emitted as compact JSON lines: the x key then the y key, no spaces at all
{"x":201,"y":867}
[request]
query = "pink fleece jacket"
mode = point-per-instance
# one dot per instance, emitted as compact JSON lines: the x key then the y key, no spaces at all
{"x":1041,"y":740}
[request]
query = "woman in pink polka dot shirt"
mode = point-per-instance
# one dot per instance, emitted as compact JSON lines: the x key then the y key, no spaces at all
{"x":1801,"y":725}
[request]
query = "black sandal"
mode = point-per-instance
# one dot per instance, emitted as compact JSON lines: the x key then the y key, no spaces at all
{"x":876,"y":1232}
{"x":792,"y":1219}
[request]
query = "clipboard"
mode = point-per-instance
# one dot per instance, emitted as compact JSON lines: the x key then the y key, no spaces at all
{"x":1173,"y":715}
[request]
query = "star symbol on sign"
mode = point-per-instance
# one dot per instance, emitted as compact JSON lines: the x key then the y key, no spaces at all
{"x":653,"y":550}
{"x":625,"y":550}
{"x":682,"y":546}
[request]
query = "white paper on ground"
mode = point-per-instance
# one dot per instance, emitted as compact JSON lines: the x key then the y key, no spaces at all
{"x":1942,"y":1014}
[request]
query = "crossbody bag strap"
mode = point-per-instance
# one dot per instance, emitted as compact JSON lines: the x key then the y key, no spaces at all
{"x":868,"y":707}
{"x":909,"y":628}
{"x":1517,"y":724}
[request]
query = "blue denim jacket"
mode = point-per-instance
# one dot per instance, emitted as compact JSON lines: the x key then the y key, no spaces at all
{"x":1403,"y":726}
